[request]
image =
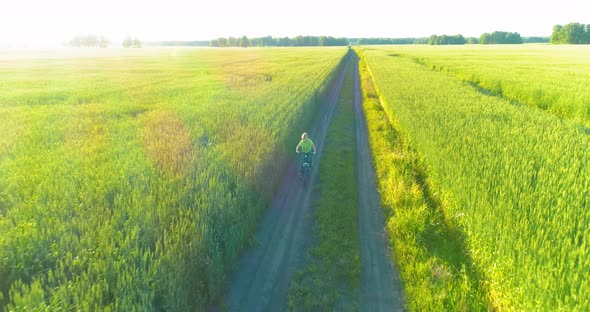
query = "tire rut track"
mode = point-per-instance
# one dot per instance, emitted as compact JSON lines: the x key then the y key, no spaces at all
{"x":380,"y":286}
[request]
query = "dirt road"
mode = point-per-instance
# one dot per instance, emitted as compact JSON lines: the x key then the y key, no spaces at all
{"x":262,"y":278}
{"x":380,"y":285}
{"x":264,"y":272}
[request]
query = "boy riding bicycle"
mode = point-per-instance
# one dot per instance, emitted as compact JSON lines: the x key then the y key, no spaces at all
{"x":306,"y":147}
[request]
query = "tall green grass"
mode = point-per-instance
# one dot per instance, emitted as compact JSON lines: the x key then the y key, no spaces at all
{"x":428,"y":247}
{"x":552,"y":78}
{"x":515,"y":179}
{"x":132,"y":180}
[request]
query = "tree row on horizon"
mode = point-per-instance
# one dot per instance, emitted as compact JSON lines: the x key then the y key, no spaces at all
{"x":89,"y":41}
{"x":497,"y":37}
{"x":572,"y":33}
{"x":501,"y":37}
{"x":269,"y":41}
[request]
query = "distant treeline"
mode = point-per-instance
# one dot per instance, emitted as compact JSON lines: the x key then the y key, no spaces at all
{"x":569,"y":32}
{"x":572,"y":33}
{"x":132,"y":42}
{"x":94,"y":41}
{"x":535,"y":39}
{"x":268,"y":41}
{"x":497,"y":37}
{"x":178,"y":43}
{"x":445,"y":40}
{"x":89,"y":41}
{"x":501,"y":37}
{"x":370,"y":41}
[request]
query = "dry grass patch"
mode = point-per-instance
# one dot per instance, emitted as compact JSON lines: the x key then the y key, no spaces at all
{"x":167,"y":141}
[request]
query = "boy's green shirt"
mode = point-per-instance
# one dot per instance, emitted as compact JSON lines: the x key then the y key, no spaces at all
{"x":305,"y":145}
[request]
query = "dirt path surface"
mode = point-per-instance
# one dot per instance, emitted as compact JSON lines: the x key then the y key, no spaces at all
{"x":262,"y":278}
{"x":380,"y":285}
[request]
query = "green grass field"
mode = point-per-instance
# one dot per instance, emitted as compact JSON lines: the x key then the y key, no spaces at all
{"x":134,"y":179}
{"x":131,"y":180}
{"x":550,"y":77}
{"x":436,"y":271}
{"x":513,"y":179}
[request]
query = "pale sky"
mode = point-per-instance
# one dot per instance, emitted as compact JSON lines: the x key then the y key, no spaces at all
{"x":57,"y":21}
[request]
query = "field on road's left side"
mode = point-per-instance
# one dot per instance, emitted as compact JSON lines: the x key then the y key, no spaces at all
{"x":133,"y":179}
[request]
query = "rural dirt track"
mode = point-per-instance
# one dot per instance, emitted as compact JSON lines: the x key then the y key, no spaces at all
{"x":261,"y":281}
{"x":380,"y":285}
{"x":262,"y":278}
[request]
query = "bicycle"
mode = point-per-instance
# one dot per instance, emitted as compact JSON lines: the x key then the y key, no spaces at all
{"x":305,"y":169}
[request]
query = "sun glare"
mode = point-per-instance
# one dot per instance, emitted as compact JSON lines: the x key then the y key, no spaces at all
{"x":51,"y":23}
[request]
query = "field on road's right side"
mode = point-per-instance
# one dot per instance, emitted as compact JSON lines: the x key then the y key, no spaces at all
{"x":554,"y":78}
{"x":509,"y":176}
